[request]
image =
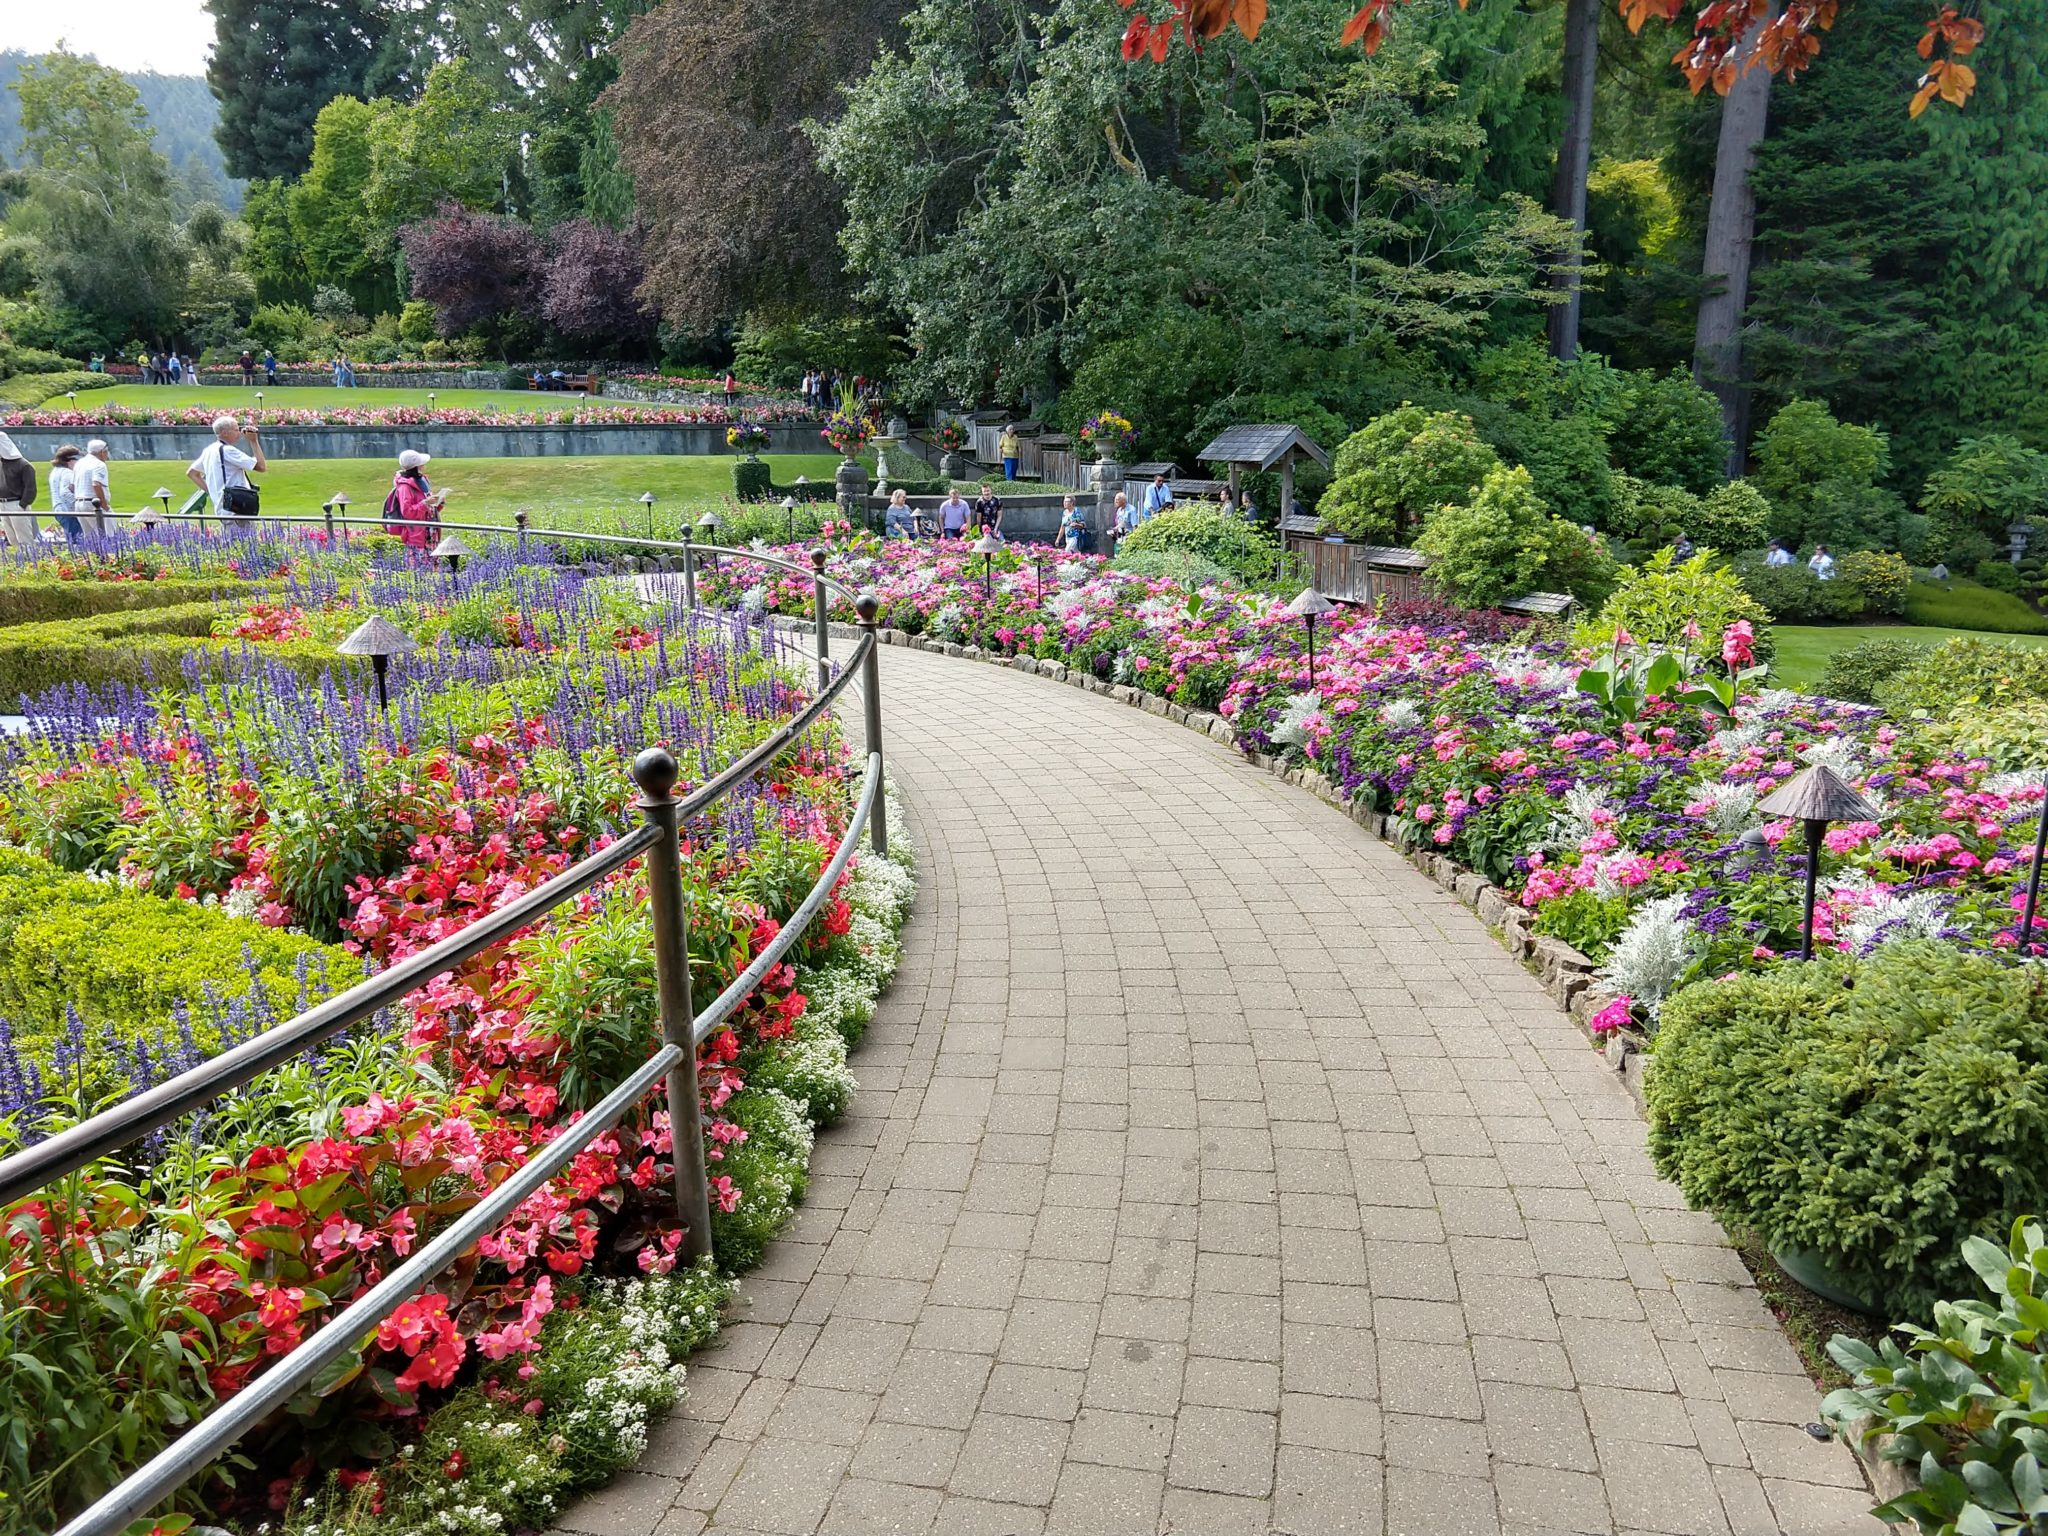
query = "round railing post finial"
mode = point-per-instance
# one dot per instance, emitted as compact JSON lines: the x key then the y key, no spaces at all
{"x":818,"y":561}
{"x":656,"y":774}
{"x":867,"y":605}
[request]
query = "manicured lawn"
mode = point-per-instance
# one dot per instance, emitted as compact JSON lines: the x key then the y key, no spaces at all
{"x":1804,"y":649}
{"x":491,"y":490}
{"x":232,"y":397}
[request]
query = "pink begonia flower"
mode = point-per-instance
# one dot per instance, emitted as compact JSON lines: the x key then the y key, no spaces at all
{"x":1616,"y":1015}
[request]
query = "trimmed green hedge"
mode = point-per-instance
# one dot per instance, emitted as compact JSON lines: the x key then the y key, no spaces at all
{"x":29,"y":390}
{"x":1874,"y":1113}
{"x":145,"y":648}
{"x":46,"y":600}
{"x":124,"y":958}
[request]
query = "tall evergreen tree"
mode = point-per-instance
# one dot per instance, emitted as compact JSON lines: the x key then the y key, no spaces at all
{"x":275,"y":64}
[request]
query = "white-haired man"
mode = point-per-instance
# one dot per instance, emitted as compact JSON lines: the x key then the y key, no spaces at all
{"x":92,"y":497}
{"x":223,"y":468}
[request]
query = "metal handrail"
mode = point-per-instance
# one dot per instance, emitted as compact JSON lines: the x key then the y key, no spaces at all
{"x":171,"y":1467}
{"x":682,"y":1028}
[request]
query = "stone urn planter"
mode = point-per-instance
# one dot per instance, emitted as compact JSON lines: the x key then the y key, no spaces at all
{"x":952,"y":466}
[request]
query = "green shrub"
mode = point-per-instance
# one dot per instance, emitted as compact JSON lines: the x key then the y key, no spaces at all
{"x":1206,"y":533}
{"x":122,"y":958}
{"x":752,"y":480}
{"x":1874,"y":1113}
{"x":1962,"y":1403}
{"x":1965,"y":605}
{"x":1985,"y":486}
{"x":1734,"y":516}
{"x":1854,"y":672}
{"x":143,"y":648}
{"x":1794,"y":595}
{"x":1490,"y":549}
{"x":1401,"y":467}
{"x":1578,"y":563}
{"x":1803,"y":446}
{"x":1669,"y":432}
{"x":1999,"y":575}
{"x":2012,"y":738}
{"x":37,"y":600}
{"x":1188,"y":570}
{"x":1883,"y":579}
{"x":1977,"y":674}
{"x":1656,"y":602}
{"x":29,"y":390}
{"x":1567,"y":462}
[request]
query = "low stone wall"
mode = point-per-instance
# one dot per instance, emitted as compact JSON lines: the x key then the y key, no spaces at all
{"x":1033,"y":517}
{"x":450,"y":442}
{"x":644,"y":394}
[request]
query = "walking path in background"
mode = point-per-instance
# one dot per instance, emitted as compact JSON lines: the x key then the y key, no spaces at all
{"x":1213,"y":1171}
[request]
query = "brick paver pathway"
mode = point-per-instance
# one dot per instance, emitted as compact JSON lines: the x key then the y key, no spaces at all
{"x":1214,"y":1171}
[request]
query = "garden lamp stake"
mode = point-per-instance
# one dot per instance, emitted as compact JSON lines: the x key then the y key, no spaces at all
{"x":647,"y":501}
{"x":789,"y":506}
{"x":1305,"y":607}
{"x":2034,"y":877}
{"x":1815,"y":798}
{"x":380,"y":640}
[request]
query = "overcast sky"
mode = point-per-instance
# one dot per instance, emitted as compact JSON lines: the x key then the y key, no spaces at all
{"x":168,"y":36}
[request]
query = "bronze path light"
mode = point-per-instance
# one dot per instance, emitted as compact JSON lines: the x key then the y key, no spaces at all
{"x":986,"y":546}
{"x":453,"y":550}
{"x":1815,"y":798}
{"x":380,"y":640}
{"x":1306,"y":607}
{"x":647,"y":501}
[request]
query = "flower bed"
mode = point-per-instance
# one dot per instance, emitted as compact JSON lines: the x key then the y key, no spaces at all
{"x":1624,"y":837}
{"x":585,"y":415}
{"x":271,"y":801}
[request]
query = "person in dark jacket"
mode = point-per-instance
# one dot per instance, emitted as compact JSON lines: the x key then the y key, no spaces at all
{"x":17,"y":495}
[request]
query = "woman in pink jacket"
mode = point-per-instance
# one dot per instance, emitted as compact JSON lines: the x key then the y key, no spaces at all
{"x":413,"y":507}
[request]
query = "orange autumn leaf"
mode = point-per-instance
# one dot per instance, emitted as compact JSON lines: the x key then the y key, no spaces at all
{"x":1365,"y":24}
{"x":1921,"y":98}
{"x":1251,"y":15}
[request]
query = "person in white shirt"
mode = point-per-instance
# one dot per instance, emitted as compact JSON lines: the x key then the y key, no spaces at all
{"x":225,"y":466}
{"x":92,"y":495}
{"x":63,"y":492}
{"x":1779,"y":554}
{"x":1123,"y":518}
{"x":1822,"y":564}
{"x":1158,"y":498}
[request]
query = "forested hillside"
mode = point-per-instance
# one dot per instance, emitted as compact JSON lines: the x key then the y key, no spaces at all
{"x":181,"y":110}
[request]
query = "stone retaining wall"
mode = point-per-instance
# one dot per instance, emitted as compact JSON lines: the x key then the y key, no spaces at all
{"x":452,"y":442}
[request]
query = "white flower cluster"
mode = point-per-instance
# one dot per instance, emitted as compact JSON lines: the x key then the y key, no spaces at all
{"x":1731,"y":807}
{"x":1836,"y":752}
{"x":814,"y":1064}
{"x":1402,"y":714}
{"x":1883,"y":915}
{"x":1653,"y":953}
{"x":784,"y":1123}
{"x":949,"y":622}
{"x":1290,"y":728}
{"x":1572,"y":823}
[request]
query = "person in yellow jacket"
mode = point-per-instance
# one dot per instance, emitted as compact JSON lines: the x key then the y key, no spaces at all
{"x":1007,"y":447}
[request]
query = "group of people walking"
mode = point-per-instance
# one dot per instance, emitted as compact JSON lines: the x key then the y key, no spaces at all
{"x":80,"y":489}
{"x":167,"y":368}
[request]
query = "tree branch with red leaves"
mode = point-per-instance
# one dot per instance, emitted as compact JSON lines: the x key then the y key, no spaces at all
{"x":1715,"y":54}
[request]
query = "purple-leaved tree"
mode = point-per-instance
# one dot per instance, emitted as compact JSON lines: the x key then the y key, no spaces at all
{"x":589,"y":292}
{"x":472,"y":267}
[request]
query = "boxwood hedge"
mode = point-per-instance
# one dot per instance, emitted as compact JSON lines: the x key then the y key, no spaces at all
{"x":146,"y":647}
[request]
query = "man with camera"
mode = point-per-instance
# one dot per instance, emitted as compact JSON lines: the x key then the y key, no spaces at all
{"x":222,"y":470}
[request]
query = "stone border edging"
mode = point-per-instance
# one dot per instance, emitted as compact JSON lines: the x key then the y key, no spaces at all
{"x":1566,"y":974}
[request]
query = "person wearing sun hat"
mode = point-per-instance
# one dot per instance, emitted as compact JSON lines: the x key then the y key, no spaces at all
{"x":413,"y":507}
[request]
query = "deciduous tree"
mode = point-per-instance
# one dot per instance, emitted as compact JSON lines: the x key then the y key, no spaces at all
{"x":472,"y":267}
{"x":591,"y":291}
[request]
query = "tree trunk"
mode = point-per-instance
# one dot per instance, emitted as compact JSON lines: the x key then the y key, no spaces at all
{"x":1574,"y":159}
{"x":1717,"y":362}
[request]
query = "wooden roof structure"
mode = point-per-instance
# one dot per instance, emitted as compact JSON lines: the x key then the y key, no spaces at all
{"x":1259,"y":448}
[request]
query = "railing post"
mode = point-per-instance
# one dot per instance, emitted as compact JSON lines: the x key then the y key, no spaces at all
{"x":519,"y":519}
{"x":655,"y":772}
{"x":821,"y":611}
{"x":867,"y":605}
{"x":689,"y":570}
{"x":327,"y":510}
